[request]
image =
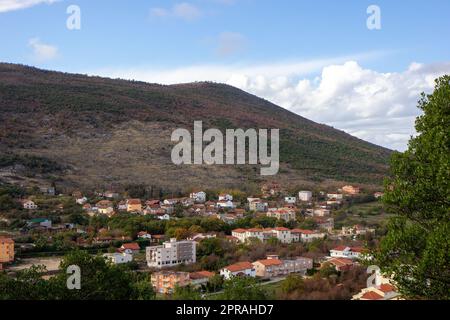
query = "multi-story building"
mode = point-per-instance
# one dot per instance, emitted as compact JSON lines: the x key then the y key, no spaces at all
{"x":351,"y":190}
{"x":6,"y":250}
{"x":198,"y":196}
{"x":238,"y":269}
{"x":119,"y":257}
{"x":300,"y":235}
{"x":165,"y":281}
{"x":305,"y":196}
{"x":274,"y":267}
{"x":285,"y":214}
{"x":134,"y":205}
{"x":346,"y":252}
{"x":171,"y":253}
{"x":257,"y":205}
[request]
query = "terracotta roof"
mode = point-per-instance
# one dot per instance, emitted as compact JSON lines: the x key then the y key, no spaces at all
{"x":201,"y":275}
{"x":303,"y":231}
{"x":386,"y":287}
{"x":281,"y":229}
{"x":6,"y":240}
{"x":240,"y":230}
{"x":134,"y":201}
{"x":340,"y":262}
{"x":255,"y":230}
{"x":340,"y":248}
{"x":240,"y":266}
{"x":370,"y":295}
{"x":131,"y":246}
{"x":270,"y":262}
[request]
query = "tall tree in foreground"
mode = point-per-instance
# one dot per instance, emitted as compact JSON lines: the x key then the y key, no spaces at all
{"x":415,"y":252}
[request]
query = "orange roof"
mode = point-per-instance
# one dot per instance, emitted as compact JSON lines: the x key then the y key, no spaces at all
{"x":6,"y":240}
{"x":134,"y":201}
{"x":386,"y":287}
{"x":340,"y":248}
{"x":270,"y":262}
{"x":255,"y":230}
{"x":131,"y":246}
{"x":201,"y":274}
{"x":240,"y":230}
{"x":240,"y":266}
{"x":281,"y":229}
{"x":340,"y":262}
{"x":303,"y":231}
{"x":370,"y":295}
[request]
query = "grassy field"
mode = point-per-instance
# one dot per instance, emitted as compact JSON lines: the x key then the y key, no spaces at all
{"x":371,"y":214}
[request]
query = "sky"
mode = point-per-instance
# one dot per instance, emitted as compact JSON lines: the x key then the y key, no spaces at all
{"x":318,"y":58}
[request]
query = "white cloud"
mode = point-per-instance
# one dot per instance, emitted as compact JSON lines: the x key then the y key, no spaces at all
{"x":42,"y":51}
{"x":11,"y":5}
{"x":231,"y":43}
{"x":374,"y":106}
{"x":184,"y":11}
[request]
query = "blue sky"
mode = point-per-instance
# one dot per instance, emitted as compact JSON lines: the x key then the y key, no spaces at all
{"x":316,"y":58}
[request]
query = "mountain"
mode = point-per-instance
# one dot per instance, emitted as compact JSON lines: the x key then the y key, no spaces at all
{"x":93,"y":132}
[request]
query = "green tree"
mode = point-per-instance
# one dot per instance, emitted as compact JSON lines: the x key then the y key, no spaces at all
{"x":186,"y":293}
{"x":243,"y":288}
{"x":415,"y":251}
{"x":292,"y":283}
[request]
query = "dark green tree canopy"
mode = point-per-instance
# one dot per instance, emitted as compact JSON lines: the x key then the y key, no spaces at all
{"x":416,"y":249}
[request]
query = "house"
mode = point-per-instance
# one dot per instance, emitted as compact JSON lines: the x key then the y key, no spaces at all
{"x":81,"y":201}
{"x":163,"y":216}
{"x":29,"y":205}
{"x":301,"y":235}
{"x":378,"y":195}
{"x":77,"y":194}
{"x":257,"y":205}
{"x":238,"y":269}
{"x":198,"y":196}
{"x":165,"y":282}
{"x":347,"y":252}
{"x":153,"y":203}
{"x":225,"y":197}
{"x":171,"y":253}
{"x":39,"y":222}
{"x":111,"y":194}
{"x":282,"y":234}
{"x":285,"y":214}
{"x":274,"y":267}
{"x":341,"y":264}
{"x":382,"y":290}
{"x":335,"y":196}
{"x":321,"y":212}
{"x":351,"y":190}
{"x":225,"y":204}
{"x":325,"y":223}
{"x":122,"y":206}
{"x":144,"y":235}
{"x":305,"y":196}
{"x":200,"y":278}
{"x":134,"y":205}
{"x":130,"y":248}
{"x":356,"y":230}
{"x":291,"y":200}
{"x":105,"y":207}
{"x":6,"y":250}
{"x":48,"y":190}
{"x":119,"y":257}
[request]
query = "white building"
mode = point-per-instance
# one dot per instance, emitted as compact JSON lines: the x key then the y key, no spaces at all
{"x":199,"y":196}
{"x":258,"y":205}
{"x":171,"y":253}
{"x":346,"y":252}
{"x":336,"y":196}
{"x":119,"y":258}
{"x":300,"y":235}
{"x":225,"y":204}
{"x":305,"y":196}
{"x":238,"y":269}
{"x":225,"y":197}
{"x":290,"y":200}
{"x":81,"y":201}
{"x":29,"y":205}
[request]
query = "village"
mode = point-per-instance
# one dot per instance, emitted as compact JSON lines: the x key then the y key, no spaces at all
{"x":200,"y":240}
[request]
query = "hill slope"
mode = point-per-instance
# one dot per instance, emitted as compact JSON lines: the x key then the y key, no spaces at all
{"x":96,"y":132}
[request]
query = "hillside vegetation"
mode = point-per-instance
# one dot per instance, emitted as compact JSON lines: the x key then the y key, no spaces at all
{"x":97,"y":132}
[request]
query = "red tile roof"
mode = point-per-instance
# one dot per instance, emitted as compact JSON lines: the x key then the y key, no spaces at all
{"x":270,"y":262}
{"x":6,"y":240}
{"x":240,"y":266}
{"x":131,"y":246}
{"x":134,"y":201}
{"x":239,"y":230}
{"x":201,"y":275}
{"x":370,"y":295}
{"x":386,"y":287}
